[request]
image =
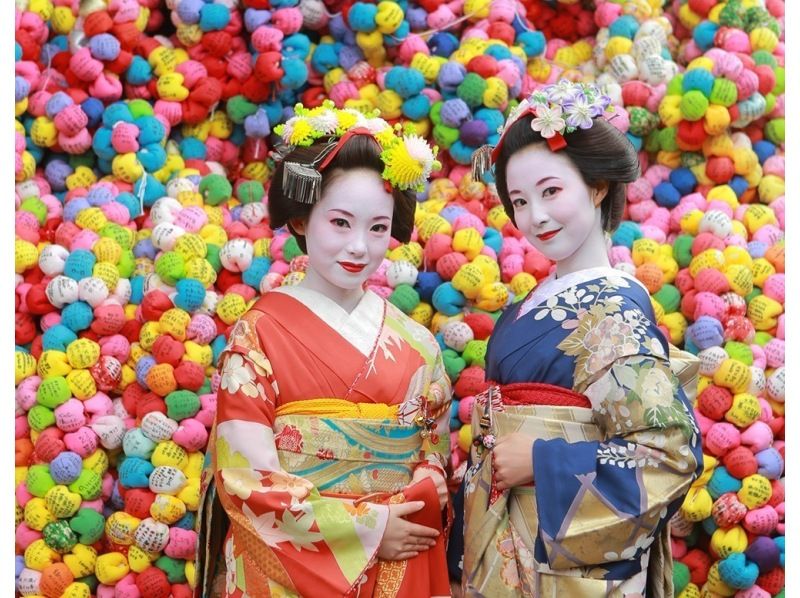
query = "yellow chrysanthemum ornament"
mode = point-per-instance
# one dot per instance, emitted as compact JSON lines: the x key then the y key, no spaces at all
{"x":408,"y":159}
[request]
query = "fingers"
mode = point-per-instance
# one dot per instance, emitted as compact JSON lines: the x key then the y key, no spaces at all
{"x":407,"y":508}
{"x":410,"y":554}
{"x":420,"y":531}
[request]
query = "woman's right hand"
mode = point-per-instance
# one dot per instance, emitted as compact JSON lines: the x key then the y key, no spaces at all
{"x":402,"y":539}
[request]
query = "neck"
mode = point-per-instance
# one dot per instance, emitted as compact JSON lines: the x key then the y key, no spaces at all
{"x":347,"y":299}
{"x":592,"y":254}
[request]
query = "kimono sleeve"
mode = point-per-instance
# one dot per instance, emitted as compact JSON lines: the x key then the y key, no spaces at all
{"x":607,"y":501}
{"x":308,"y":543}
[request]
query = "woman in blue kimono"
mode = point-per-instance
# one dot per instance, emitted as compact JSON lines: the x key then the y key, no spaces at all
{"x":587,"y":444}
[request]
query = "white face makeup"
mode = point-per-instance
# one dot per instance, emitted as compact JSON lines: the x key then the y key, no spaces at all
{"x":347,"y":235}
{"x":555,"y":209}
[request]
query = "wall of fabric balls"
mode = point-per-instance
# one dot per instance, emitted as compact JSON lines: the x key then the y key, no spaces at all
{"x":142,"y":145}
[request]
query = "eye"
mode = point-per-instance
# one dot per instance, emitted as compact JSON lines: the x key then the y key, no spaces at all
{"x":550,"y":191}
{"x":340,"y":222}
{"x":379,"y":228}
{"x":518,"y":202}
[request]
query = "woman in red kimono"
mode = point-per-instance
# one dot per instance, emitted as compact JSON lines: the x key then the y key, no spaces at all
{"x":329,"y":452}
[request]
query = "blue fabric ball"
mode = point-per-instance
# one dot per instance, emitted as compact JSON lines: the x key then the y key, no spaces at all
{"x":57,"y":338}
{"x":627,"y":232}
{"x":635,"y":140}
{"x":704,"y":33}
{"x":254,"y":18}
{"x":93,"y":108}
{"x":98,"y":196}
{"x":532,"y":42}
{"x":426,"y":285}
{"x":461,"y":153}
{"x":77,"y":316}
{"x":721,"y":482}
{"x":451,"y":212}
{"x":362,"y":17}
{"x":493,"y":238}
{"x":417,"y":107}
{"x":448,"y":300}
{"x":498,"y":52}
{"x":75,"y":207}
{"x":666,"y":195}
{"x":440,"y":341}
{"x":683,"y":180}
{"x":150,"y":130}
{"x":135,"y":472}
{"x":764,"y":149}
{"x":257,"y":270}
{"x":417,"y":18}
{"x":324,"y":58}
{"x":137,"y":289}
{"x":192,"y":148}
{"x":407,"y":82}
{"x":443,"y":44}
{"x":191,"y":294}
{"x":706,"y":332}
{"x":737,"y":571}
{"x":79,"y":264}
{"x":152,"y":157}
{"x":150,"y":188}
{"x":186,"y":522}
{"x":101,"y":144}
{"x":698,"y":79}
{"x":624,"y":26}
{"x":142,"y":367}
{"x":739,"y":185}
{"x":295,"y":73}
{"x":296,"y":45}
{"x":757,"y":249}
{"x":217,"y":346}
{"x":66,"y":467}
{"x":214,"y":17}
{"x":118,"y":111}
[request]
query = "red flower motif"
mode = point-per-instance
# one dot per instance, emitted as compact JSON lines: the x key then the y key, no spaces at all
{"x":289,"y":439}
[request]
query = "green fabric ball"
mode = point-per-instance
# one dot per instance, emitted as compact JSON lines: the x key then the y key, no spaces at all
{"x":239,"y":108}
{"x":780,"y":81}
{"x":405,"y":298}
{"x":88,"y":485}
{"x":59,"y":536}
{"x":680,"y":577}
{"x":723,"y":92}
{"x":689,"y":159}
{"x":53,"y":392}
{"x":642,"y":121}
{"x":471,"y":90}
{"x":120,"y":234}
{"x":775,"y":130}
{"x":651,"y":142}
{"x":675,"y":86}
{"x":669,"y":298}
{"x":140,"y":108}
{"x":182,"y":404}
{"x":291,"y":249}
{"x":35,"y":206}
{"x":38,"y":480}
{"x":753,"y":294}
{"x":682,"y":250}
{"x":90,"y":581}
{"x":740,"y":352}
{"x":215,"y":189}
{"x":212,"y":257}
{"x":445,"y":136}
{"x":174,"y":568}
{"x":127,"y":264}
{"x":668,"y":139}
{"x":764,"y":57}
{"x":693,"y":105}
{"x":762,"y":338}
{"x":250,"y":192}
{"x":205,"y":388}
{"x":475,"y":353}
{"x":40,"y":417}
{"x":170,"y":267}
{"x":436,"y":113}
{"x":454,"y":364}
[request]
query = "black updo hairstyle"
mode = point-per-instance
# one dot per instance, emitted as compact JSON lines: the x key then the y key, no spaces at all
{"x":360,"y":151}
{"x":601,"y":154}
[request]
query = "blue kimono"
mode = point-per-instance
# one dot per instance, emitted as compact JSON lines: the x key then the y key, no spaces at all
{"x":607,"y":476}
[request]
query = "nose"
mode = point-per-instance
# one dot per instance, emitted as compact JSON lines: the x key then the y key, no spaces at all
{"x":539,"y":215}
{"x":358,"y":245}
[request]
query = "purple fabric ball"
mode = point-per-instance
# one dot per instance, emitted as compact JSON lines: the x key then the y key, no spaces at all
{"x":455,"y":113}
{"x":349,"y":55}
{"x":254,"y":18}
{"x":56,"y":173}
{"x":417,"y":18}
{"x":765,"y":553}
{"x":57,"y":102}
{"x":474,"y":133}
{"x":451,"y":75}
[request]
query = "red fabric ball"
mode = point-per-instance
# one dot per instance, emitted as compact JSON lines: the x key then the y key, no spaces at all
{"x":720,"y":169}
{"x":766,"y":78}
{"x":714,"y":401}
{"x":226,"y":278}
{"x":772,"y":581}
{"x":216,"y":43}
{"x":148,"y":404}
{"x":710,"y":280}
{"x":688,"y":303}
{"x":138,"y":501}
{"x":254,"y":90}
{"x":97,"y":23}
{"x":108,"y":319}
{"x":37,"y":301}
{"x":193,"y":113}
{"x":168,"y":350}
{"x":24,"y":328}
{"x":189,"y":375}
{"x":131,"y":396}
{"x":536,"y":264}
{"x":471,"y":382}
{"x":483,"y":65}
{"x":153,"y":582}
{"x":635,"y":93}
{"x":181,"y":590}
{"x":480,"y":324}
{"x":107,"y":373}
{"x":267,"y":68}
{"x":130,"y":330}
{"x":705,"y":241}
{"x":698,"y":562}
{"x":778,"y":493}
{"x":36,"y":347}
{"x":701,"y":7}
{"x":740,"y":462}
{"x":502,"y":31}
{"x":691,"y":135}
{"x":684,"y":281}
{"x":49,"y":444}
{"x":154,"y":304}
{"x":127,"y":34}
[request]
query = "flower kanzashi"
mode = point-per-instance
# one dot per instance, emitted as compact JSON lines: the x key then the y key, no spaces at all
{"x":548,"y":121}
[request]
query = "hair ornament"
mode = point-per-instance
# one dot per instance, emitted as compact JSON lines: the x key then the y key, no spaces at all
{"x":408,"y":159}
{"x":558,"y":109}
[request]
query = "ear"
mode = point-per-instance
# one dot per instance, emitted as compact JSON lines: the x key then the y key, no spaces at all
{"x":599,"y":192}
{"x":298,"y":225}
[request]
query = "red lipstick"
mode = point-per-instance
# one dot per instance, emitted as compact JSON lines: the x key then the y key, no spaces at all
{"x":548,"y":235}
{"x":351,"y":267}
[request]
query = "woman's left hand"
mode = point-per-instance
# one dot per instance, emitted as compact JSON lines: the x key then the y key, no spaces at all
{"x":512,"y":459}
{"x":438,"y":480}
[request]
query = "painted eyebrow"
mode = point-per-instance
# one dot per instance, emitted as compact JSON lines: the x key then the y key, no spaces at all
{"x":539,"y":182}
{"x":346,"y":213}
